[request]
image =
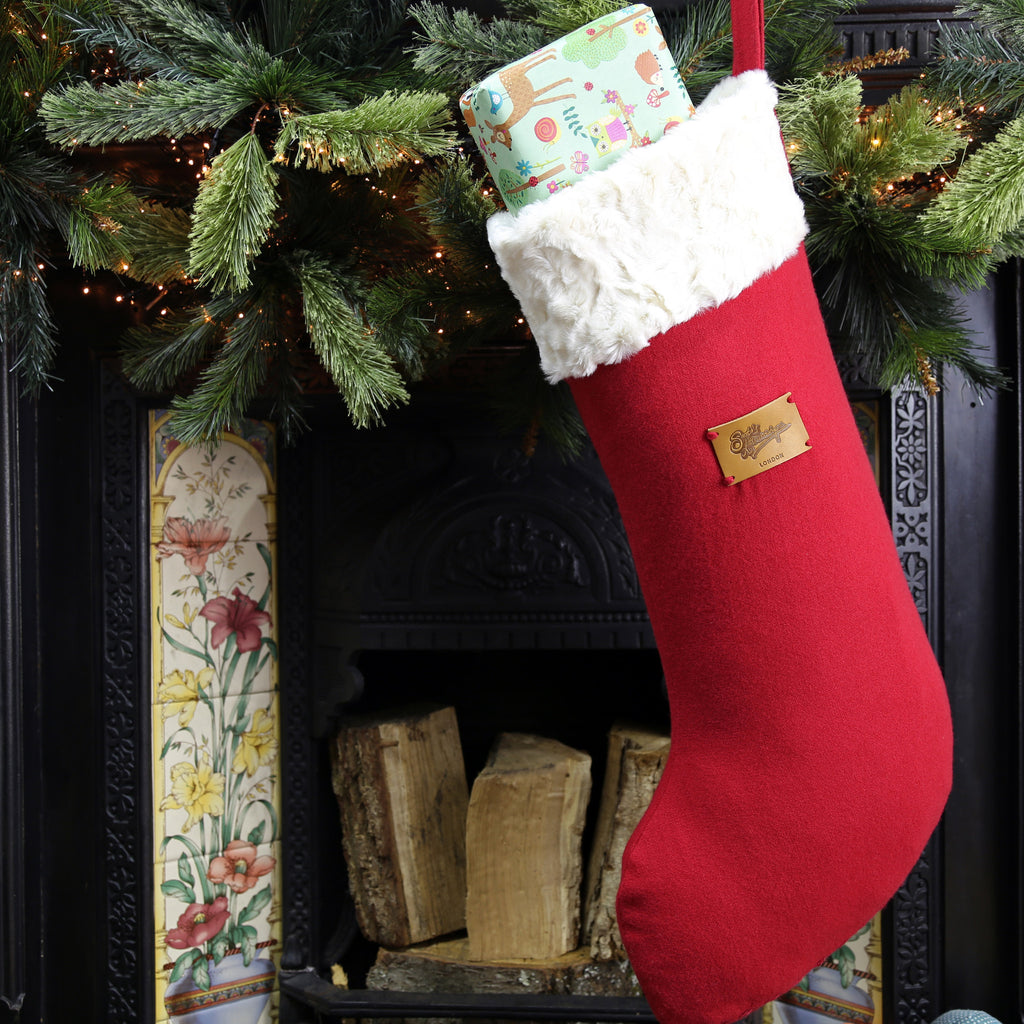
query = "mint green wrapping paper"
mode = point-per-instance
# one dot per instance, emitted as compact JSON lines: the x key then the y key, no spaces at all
{"x":575,"y":106}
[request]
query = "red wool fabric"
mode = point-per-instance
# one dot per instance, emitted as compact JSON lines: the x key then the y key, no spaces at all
{"x":811,"y":739}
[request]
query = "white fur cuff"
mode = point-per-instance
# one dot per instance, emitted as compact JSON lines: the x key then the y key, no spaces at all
{"x":667,"y":231}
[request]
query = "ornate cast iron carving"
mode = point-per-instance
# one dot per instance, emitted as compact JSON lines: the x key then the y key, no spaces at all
{"x":126,"y":706}
{"x":298,"y":758}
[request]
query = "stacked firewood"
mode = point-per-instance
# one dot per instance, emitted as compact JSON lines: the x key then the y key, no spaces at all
{"x":483,"y":890}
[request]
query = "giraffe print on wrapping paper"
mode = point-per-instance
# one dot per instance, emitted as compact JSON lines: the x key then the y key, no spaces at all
{"x":523,"y":94}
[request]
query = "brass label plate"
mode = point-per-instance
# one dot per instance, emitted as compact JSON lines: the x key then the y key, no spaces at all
{"x":761,"y":440}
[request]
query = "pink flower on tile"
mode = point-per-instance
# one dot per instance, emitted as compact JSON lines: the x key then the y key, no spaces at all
{"x":202,"y":921}
{"x":239,"y":868}
{"x":239,"y":615}
{"x":195,"y":542}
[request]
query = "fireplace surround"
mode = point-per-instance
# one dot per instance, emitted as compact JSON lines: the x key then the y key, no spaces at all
{"x":447,"y":565}
{"x":949,"y":470}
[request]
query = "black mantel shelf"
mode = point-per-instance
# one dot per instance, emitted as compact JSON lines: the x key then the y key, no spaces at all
{"x":308,"y":988}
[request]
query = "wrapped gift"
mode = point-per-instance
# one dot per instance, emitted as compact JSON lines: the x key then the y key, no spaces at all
{"x":576,"y":105}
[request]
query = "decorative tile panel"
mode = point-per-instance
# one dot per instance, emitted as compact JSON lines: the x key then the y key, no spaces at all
{"x":216,"y":734}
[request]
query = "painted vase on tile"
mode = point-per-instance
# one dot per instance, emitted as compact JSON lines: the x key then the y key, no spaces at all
{"x":238,"y":993}
{"x":825,"y":999}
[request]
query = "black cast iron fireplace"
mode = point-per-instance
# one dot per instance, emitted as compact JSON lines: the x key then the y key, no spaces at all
{"x":434,"y":560}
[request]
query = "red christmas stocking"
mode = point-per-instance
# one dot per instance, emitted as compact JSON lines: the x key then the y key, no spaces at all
{"x":811,"y":739}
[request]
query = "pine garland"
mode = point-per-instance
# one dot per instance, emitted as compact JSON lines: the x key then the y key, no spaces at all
{"x":332,"y":217}
{"x":283,"y":94}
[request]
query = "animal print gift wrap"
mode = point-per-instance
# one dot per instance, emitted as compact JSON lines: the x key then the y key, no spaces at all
{"x":576,"y":105}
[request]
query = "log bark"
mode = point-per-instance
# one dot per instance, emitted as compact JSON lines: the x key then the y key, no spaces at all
{"x":402,"y":796}
{"x":445,"y":966}
{"x":523,"y":848}
{"x":636,"y":759}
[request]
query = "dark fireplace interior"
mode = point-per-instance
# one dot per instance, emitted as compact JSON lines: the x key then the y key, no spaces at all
{"x":570,"y":696}
{"x":452,"y":569}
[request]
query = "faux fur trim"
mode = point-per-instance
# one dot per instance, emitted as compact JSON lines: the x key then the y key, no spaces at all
{"x":668,"y":231}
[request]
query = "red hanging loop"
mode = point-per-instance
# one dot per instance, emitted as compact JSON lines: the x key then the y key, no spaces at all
{"x":747,"y":35}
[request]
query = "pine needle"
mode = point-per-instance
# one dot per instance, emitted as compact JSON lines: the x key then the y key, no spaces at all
{"x":361,"y":369}
{"x":375,"y":135}
{"x":233,"y":214}
{"x":985,"y":201}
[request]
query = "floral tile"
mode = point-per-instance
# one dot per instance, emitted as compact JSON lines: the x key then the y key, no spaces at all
{"x":215,"y":725}
{"x":198,"y":491}
{"x":220,"y":624}
{"x":215,"y":779}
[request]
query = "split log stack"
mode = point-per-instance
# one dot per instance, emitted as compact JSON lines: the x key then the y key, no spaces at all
{"x":402,"y":794}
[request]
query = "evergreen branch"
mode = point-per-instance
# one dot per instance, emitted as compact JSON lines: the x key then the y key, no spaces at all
{"x":196,"y":36}
{"x":525,"y":403}
{"x":102,"y":31}
{"x":1001,"y":17}
{"x":26,"y":322}
{"x":975,"y":69}
{"x":229,"y":384}
{"x":700,"y":40}
{"x":403,"y":324}
{"x":985,"y":200}
{"x":155,"y":357}
{"x":34,"y":184}
{"x":800,"y":36}
{"x":84,"y":116}
{"x":233,"y":215}
{"x":459,"y":48}
{"x":157,"y":240}
{"x":378,"y":133}
{"x":284,"y":386}
{"x":350,"y":35}
{"x":93,"y":232}
{"x":830,"y":138}
{"x":451,"y":200}
{"x":876,"y":301}
{"x":361,"y":369}
{"x":560,"y":17}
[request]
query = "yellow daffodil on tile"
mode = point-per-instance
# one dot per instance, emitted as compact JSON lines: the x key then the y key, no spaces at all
{"x":199,"y":791}
{"x":257,"y":745}
{"x":179,"y":693}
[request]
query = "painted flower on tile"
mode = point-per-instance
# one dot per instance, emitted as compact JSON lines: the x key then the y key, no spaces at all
{"x":219,"y":733}
{"x":200,"y":923}
{"x":257,"y":745}
{"x":197,"y":790}
{"x":239,"y":615}
{"x":239,"y":868}
{"x":194,"y":541}
{"x":180,"y":693}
